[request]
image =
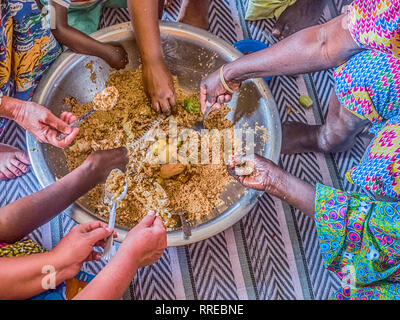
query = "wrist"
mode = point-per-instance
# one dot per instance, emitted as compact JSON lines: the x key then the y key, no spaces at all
{"x":11,"y":108}
{"x":273,"y":183}
{"x":152,"y":60}
{"x":127,"y":256}
{"x":106,"y":53}
{"x":90,"y":168}
{"x":229,"y":74}
{"x":60,"y":265}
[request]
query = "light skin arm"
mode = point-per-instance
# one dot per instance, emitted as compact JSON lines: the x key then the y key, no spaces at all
{"x":25,"y":277}
{"x":316,"y":48}
{"x":79,"y":42}
{"x":143,"y":246}
{"x":157,"y":78}
{"x":22,"y":276}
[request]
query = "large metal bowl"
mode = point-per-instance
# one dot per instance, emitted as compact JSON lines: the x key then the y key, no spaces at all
{"x":190,"y":53}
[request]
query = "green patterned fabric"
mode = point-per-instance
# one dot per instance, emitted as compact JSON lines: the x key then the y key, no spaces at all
{"x":360,"y":242}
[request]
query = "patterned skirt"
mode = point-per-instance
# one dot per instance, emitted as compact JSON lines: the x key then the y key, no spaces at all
{"x":360,"y":242}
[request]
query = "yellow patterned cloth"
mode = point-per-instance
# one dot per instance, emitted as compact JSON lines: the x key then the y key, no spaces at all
{"x":20,"y":249}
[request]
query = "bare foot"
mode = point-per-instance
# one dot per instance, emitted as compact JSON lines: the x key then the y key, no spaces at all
{"x":13,"y":162}
{"x":195,"y":13}
{"x":300,"y":15}
{"x":299,"y":138}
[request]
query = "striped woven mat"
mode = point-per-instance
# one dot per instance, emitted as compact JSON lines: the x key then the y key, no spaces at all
{"x":273,"y":252}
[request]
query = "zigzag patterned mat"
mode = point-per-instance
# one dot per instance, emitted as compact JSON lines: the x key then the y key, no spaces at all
{"x":273,"y":252}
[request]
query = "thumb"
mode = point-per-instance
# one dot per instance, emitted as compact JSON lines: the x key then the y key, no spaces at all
{"x":203,"y":99}
{"x":99,"y":234}
{"x":58,"y":124}
{"x":148,"y":220}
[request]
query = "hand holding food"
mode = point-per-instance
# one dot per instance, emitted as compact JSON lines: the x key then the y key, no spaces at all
{"x":103,"y":161}
{"x":215,"y":89}
{"x":147,"y":241}
{"x":44,"y":125}
{"x":78,"y":246}
{"x":158,"y":83}
{"x":116,"y":56}
{"x":253,"y":171}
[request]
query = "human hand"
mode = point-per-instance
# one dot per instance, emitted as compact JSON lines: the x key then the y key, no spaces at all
{"x":44,"y":125}
{"x":158,"y":83}
{"x":212,"y":92}
{"x":116,"y":56}
{"x":264,"y":174}
{"x":78,"y":246}
{"x":146,"y":242}
{"x":102,"y":162}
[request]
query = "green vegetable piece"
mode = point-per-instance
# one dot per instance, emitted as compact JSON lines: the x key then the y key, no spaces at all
{"x":192,"y":105}
{"x":305,"y":101}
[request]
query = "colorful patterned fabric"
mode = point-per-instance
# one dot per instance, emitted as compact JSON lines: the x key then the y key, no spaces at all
{"x":374,"y":24}
{"x":20,"y":249}
{"x":27,"y":48}
{"x":379,"y":168}
{"x":368,"y":85}
{"x":360,"y":242}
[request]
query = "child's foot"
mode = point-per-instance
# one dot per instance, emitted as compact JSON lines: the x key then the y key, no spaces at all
{"x":13,"y":162}
{"x":300,"y":15}
{"x":195,"y":13}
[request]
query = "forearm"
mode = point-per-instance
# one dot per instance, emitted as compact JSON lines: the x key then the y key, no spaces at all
{"x":80,"y":42}
{"x":313,"y":49}
{"x":26,"y":214}
{"x":144,"y":17}
{"x":10,"y":107}
{"x":113,"y":280}
{"x":24,"y":277}
{"x":294,"y":191}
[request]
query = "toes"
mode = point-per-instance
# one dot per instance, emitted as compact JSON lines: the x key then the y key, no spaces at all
{"x":276,"y":32}
{"x":17,"y":172}
{"x":22,"y":157}
{"x":21,"y":166}
{"x":286,"y":31}
{"x":7,"y":173}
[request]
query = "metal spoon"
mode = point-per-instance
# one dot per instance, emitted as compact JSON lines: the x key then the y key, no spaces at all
{"x":187,"y":232}
{"x":77,"y":122}
{"x":110,"y":199}
{"x":199,"y":125}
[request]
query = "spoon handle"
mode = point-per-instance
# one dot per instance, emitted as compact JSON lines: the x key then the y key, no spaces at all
{"x":185,"y":227}
{"x":208,"y":110}
{"x":107,"y":254}
{"x":76,"y":123}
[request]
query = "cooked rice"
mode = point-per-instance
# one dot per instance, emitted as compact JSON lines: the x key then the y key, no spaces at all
{"x":197,"y":189}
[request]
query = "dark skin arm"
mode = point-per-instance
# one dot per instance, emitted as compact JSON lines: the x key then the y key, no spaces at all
{"x":79,"y":42}
{"x":268,"y":177}
{"x":157,"y":78}
{"x":26,"y":214}
{"x":317,"y":48}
